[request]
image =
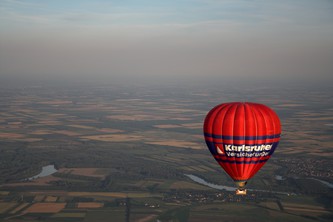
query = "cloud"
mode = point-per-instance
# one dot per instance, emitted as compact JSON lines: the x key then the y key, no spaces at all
{"x":18,"y":3}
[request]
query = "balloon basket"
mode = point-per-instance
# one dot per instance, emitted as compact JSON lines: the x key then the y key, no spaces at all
{"x":241,"y":192}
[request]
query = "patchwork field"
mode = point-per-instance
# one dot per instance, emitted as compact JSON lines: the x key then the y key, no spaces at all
{"x":176,"y":143}
{"x":69,"y":215}
{"x":90,"y":172}
{"x":45,"y":208}
{"x":19,"y":208}
{"x":5,"y":206}
{"x":123,"y":153}
{"x":88,"y":205}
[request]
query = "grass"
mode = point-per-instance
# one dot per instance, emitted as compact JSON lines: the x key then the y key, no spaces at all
{"x":241,"y":212}
{"x":5,"y":206}
{"x":70,"y":215}
{"x":51,"y":199}
{"x":106,"y":215}
{"x":143,"y":217}
{"x":113,"y":194}
{"x":187,"y":185}
{"x":18,"y":208}
{"x":176,"y":143}
{"x":91,"y":172}
{"x":113,"y":137}
{"x":45,"y":208}
{"x":88,"y":205}
{"x":178,"y":214}
{"x":300,"y":199}
{"x":303,"y":209}
{"x":39,"y":198}
{"x":270,"y":205}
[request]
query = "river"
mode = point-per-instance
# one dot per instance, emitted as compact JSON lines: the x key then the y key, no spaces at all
{"x":215,"y":186}
{"x":227,"y":188}
{"x":222,"y":187}
{"x":323,"y":182}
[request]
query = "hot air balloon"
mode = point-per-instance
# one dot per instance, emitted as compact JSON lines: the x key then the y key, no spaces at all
{"x":242,"y":136}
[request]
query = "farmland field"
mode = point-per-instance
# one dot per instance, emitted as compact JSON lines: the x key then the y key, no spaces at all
{"x":123,"y":153}
{"x":89,"y":205}
{"x":45,"y":208}
{"x":5,"y":206}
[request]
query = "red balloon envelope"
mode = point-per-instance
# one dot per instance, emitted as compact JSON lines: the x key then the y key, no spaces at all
{"x":242,"y":136}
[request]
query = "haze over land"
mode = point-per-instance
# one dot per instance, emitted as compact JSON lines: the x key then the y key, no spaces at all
{"x":124,"y":152}
{"x":151,"y":41}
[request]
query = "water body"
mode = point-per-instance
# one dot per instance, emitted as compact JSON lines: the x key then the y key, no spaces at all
{"x":323,"y":182}
{"x":278,"y":177}
{"x":227,"y":188}
{"x":46,"y":171}
{"x":221,"y":187}
{"x":215,"y":186}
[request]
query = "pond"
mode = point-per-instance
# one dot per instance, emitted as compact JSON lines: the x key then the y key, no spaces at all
{"x":46,"y":171}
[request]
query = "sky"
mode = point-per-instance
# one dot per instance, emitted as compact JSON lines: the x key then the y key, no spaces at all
{"x":178,"y":40}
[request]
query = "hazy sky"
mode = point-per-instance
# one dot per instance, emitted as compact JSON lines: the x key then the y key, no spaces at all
{"x":180,"y":39}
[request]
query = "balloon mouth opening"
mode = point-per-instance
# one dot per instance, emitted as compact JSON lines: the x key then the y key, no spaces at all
{"x":241,"y":187}
{"x":241,"y":184}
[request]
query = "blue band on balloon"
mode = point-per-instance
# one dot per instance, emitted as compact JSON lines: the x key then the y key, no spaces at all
{"x":245,"y":158}
{"x":273,"y":136}
{"x":246,"y":144}
{"x":242,"y":162}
